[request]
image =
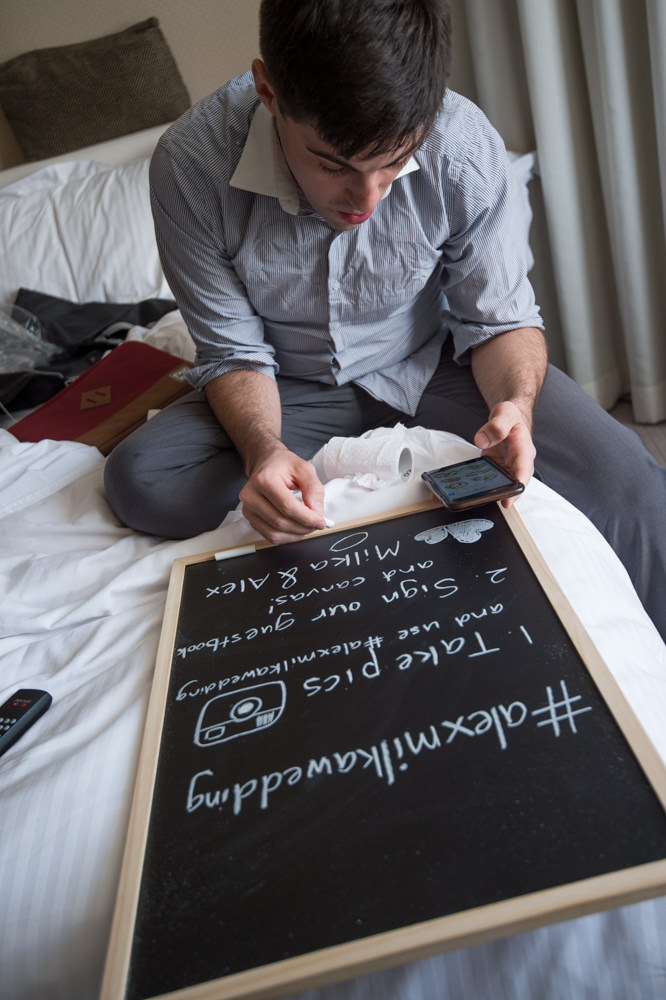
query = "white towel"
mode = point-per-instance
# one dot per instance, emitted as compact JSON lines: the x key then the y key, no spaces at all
{"x":373,"y":460}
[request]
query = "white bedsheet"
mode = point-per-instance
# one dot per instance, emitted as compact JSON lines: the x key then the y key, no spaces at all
{"x":82,"y":600}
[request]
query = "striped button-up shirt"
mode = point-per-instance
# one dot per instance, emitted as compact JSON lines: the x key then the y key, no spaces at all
{"x":264,"y":283}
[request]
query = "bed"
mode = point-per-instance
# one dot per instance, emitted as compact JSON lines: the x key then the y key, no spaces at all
{"x":82,"y":602}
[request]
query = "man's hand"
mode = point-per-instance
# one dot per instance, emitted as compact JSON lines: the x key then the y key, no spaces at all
{"x":507,"y":439}
{"x":509,"y":371}
{"x":268,"y":499}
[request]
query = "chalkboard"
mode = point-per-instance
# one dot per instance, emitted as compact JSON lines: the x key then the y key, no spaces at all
{"x":367,"y":746}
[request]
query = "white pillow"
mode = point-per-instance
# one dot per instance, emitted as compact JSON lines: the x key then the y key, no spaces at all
{"x":82,"y":231}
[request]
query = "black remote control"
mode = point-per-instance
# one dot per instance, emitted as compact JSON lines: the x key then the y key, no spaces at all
{"x":19,"y":712}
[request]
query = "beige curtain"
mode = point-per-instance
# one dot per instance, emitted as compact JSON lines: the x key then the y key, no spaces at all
{"x":584,"y":82}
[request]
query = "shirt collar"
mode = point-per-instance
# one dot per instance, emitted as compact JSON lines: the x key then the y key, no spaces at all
{"x":262,"y":168}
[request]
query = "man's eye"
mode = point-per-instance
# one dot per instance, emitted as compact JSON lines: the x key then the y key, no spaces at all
{"x":331,"y":170}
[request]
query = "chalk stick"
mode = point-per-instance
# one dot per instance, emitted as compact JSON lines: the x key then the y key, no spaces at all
{"x":240,"y":550}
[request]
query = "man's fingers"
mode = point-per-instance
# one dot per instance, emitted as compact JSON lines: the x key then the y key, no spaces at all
{"x":506,"y":438}
{"x":279,"y":528}
{"x":272,"y":501}
{"x":312,"y":490}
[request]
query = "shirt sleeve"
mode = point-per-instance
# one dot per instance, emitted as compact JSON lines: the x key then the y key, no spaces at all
{"x":485,"y":258}
{"x":227,"y":332}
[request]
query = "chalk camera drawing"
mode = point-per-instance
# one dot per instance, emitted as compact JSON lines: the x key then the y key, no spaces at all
{"x":240,"y":713}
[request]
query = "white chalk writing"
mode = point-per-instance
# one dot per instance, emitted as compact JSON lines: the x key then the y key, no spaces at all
{"x":390,"y":756}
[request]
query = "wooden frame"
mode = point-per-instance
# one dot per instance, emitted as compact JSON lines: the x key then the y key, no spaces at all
{"x":409,"y":943}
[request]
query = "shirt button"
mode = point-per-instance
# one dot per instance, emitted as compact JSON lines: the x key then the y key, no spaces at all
{"x":335,"y":285}
{"x":335,"y":326}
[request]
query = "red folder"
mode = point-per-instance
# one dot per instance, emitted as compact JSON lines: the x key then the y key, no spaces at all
{"x":110,"y":400}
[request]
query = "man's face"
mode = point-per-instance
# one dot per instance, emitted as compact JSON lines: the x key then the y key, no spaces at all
{"x":344,"y":192}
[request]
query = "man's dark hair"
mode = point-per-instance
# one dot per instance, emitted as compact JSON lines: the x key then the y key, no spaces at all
{"x":368,"y":75}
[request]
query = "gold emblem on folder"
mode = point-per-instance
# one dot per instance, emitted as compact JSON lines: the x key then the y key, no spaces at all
{"x":93,"y":398}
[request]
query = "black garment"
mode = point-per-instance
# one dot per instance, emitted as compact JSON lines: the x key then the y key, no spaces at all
{"x":83,"y":331}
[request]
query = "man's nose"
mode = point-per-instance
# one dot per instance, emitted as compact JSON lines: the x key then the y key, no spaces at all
{"x":365,"y":191}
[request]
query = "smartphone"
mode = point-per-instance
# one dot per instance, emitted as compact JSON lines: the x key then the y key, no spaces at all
{"x":468,"y":484}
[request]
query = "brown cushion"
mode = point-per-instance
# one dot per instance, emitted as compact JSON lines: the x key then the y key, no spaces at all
{"x":70,"y":96}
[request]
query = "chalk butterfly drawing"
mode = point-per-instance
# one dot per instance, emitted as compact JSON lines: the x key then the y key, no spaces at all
{"x":240,"y":713}
{"x":463,"y":531}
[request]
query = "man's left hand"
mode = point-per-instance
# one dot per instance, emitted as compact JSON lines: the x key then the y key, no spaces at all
{"x":506,"y":438}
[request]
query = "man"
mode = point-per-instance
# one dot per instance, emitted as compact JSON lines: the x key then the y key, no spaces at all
{"x":338,"y":233}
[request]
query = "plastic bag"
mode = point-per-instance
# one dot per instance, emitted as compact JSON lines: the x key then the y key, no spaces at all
{"x":22,"y":346}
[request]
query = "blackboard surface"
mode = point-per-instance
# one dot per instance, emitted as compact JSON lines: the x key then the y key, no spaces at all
{"x":366,"y":730}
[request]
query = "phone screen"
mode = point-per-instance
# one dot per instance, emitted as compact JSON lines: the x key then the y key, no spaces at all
{"x":476,"y":478}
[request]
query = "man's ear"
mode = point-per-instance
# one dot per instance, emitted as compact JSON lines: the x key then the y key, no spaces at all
{"x":263,"y":87}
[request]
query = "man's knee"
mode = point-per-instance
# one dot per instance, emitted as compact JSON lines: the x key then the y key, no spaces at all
{"x":130,"y":489}
{"x":589,"y":457}
{"x":175,"y":499}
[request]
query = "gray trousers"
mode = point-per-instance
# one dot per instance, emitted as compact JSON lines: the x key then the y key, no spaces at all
{"x":179,"y":474}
